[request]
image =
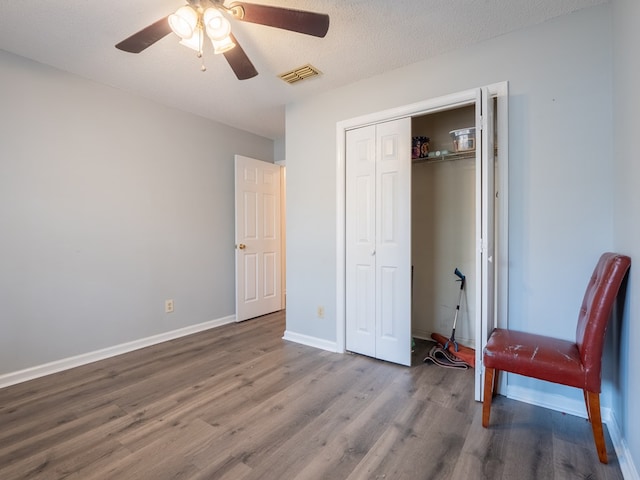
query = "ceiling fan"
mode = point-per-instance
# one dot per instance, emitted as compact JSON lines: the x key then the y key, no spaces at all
{"x":198,"y":18}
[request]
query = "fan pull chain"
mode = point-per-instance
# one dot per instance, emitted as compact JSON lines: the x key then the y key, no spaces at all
{"x":200,"y":55}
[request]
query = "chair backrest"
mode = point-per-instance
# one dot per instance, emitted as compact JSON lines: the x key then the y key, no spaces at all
{"x":596,"y":309}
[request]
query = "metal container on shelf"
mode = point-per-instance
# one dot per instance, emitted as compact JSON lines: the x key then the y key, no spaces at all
{"x":464,"y":139}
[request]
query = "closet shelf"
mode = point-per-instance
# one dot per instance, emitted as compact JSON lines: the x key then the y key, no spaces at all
{"x":450,"y":157}
{"x":446,"y":157}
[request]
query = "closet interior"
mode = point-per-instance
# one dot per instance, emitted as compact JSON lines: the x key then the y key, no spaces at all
{"x":443,"y":224}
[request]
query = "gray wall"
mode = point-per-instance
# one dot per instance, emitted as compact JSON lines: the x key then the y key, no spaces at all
{"x":561,"y":180}
{"x":626,"y":121}
{"x":560,"y":139}
{"x":574,"y":115}
{"x":109,"y":204}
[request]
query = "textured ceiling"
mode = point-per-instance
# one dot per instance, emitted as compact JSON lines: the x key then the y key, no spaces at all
{"x":366,"y":37}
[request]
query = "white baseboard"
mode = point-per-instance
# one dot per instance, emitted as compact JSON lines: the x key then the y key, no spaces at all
{"x":310,"y":341}
{"x":576,"y":407}
{"x":558,"y":403}
{"x":625,"y":460}
{"x":13,"y":378}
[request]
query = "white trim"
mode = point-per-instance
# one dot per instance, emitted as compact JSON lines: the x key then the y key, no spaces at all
{"x":309,"y":341}
{"x":445,"y":102}
{"x":560,"y":403}
{"x":625,"y":459}
{"x":283,"y":234}
{"x":341,"y":254}
{"x":56,"y":366}
{"x":501,"y":91}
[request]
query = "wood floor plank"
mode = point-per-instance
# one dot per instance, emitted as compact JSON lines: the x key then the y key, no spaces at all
{"x":484,"y":449}
{"x":61,"y":453}
{"x":255,"y":433}
{"x":531,"y":439}
{"x":428,"y":433}
{"x":47,"y":440}
{"x":238,"y":402}
{"x":220,"y":394}
{"x":163,"y":457}
{"x":573,"y":447}
{"x":332,"y":433}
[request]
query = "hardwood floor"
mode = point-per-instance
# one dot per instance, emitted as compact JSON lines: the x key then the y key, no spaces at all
{"x":238,"y":402}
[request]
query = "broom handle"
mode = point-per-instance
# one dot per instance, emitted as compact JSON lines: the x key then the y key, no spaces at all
{"x":462,"y":278}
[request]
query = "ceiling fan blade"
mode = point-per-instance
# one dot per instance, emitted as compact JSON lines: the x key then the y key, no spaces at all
{"x":146,"y":37}
{"x":310,"y":23}
{"x":239,"y":61}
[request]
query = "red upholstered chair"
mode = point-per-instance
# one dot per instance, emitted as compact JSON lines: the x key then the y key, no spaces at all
{"x":560,"y":361}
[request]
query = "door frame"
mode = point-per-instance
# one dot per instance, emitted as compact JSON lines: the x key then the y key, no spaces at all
{"x":445,"y":102}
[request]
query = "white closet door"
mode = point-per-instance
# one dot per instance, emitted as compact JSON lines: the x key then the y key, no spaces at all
{"x":486,"y":204}
{"x":393,"y":241}
{"x":360,"y":233}
{"x":378,"y":241}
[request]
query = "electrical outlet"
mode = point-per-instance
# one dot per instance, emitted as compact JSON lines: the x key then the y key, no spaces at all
{"x":168,"y":306}
{"x":320,"y":311}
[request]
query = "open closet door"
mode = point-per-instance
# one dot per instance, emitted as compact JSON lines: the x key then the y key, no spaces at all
{"x":485,"y":162}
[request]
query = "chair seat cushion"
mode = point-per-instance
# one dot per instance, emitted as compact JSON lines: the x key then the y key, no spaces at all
{"x":536,"y":356}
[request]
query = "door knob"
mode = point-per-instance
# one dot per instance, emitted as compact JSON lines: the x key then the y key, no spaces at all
{"x":242,"y":246}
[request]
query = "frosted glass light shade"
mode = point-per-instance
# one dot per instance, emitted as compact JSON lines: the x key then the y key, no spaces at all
{"x":224,"y":45}
{"x":184,"y":22}
{"x":218,"y":27}
{"x":195,"y":42}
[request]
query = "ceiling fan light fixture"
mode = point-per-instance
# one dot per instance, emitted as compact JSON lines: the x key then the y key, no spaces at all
{"x":224,"y":45}
{"x":195,"y":42}
{"x":191,"y":21}
{"x":184,"y":22}
{"x":218,"y":27}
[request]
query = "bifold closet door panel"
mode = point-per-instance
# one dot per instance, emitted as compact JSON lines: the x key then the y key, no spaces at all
{"x":393,"y":241}
{"x":378,"y":241}
{"x":360,"y":240}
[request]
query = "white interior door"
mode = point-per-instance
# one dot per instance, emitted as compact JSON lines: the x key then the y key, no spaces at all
{"x":378,"y":241}
{"x":258,"y":238}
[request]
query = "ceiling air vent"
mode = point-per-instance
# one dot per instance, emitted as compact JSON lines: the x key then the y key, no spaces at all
{"x":300,"y":73}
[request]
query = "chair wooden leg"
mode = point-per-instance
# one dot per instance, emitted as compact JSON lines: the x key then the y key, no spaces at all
{"x":488,"y":395}
{"x":586,"y":402}
{"x":593,"y":407}
{"x":496,"y":377}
